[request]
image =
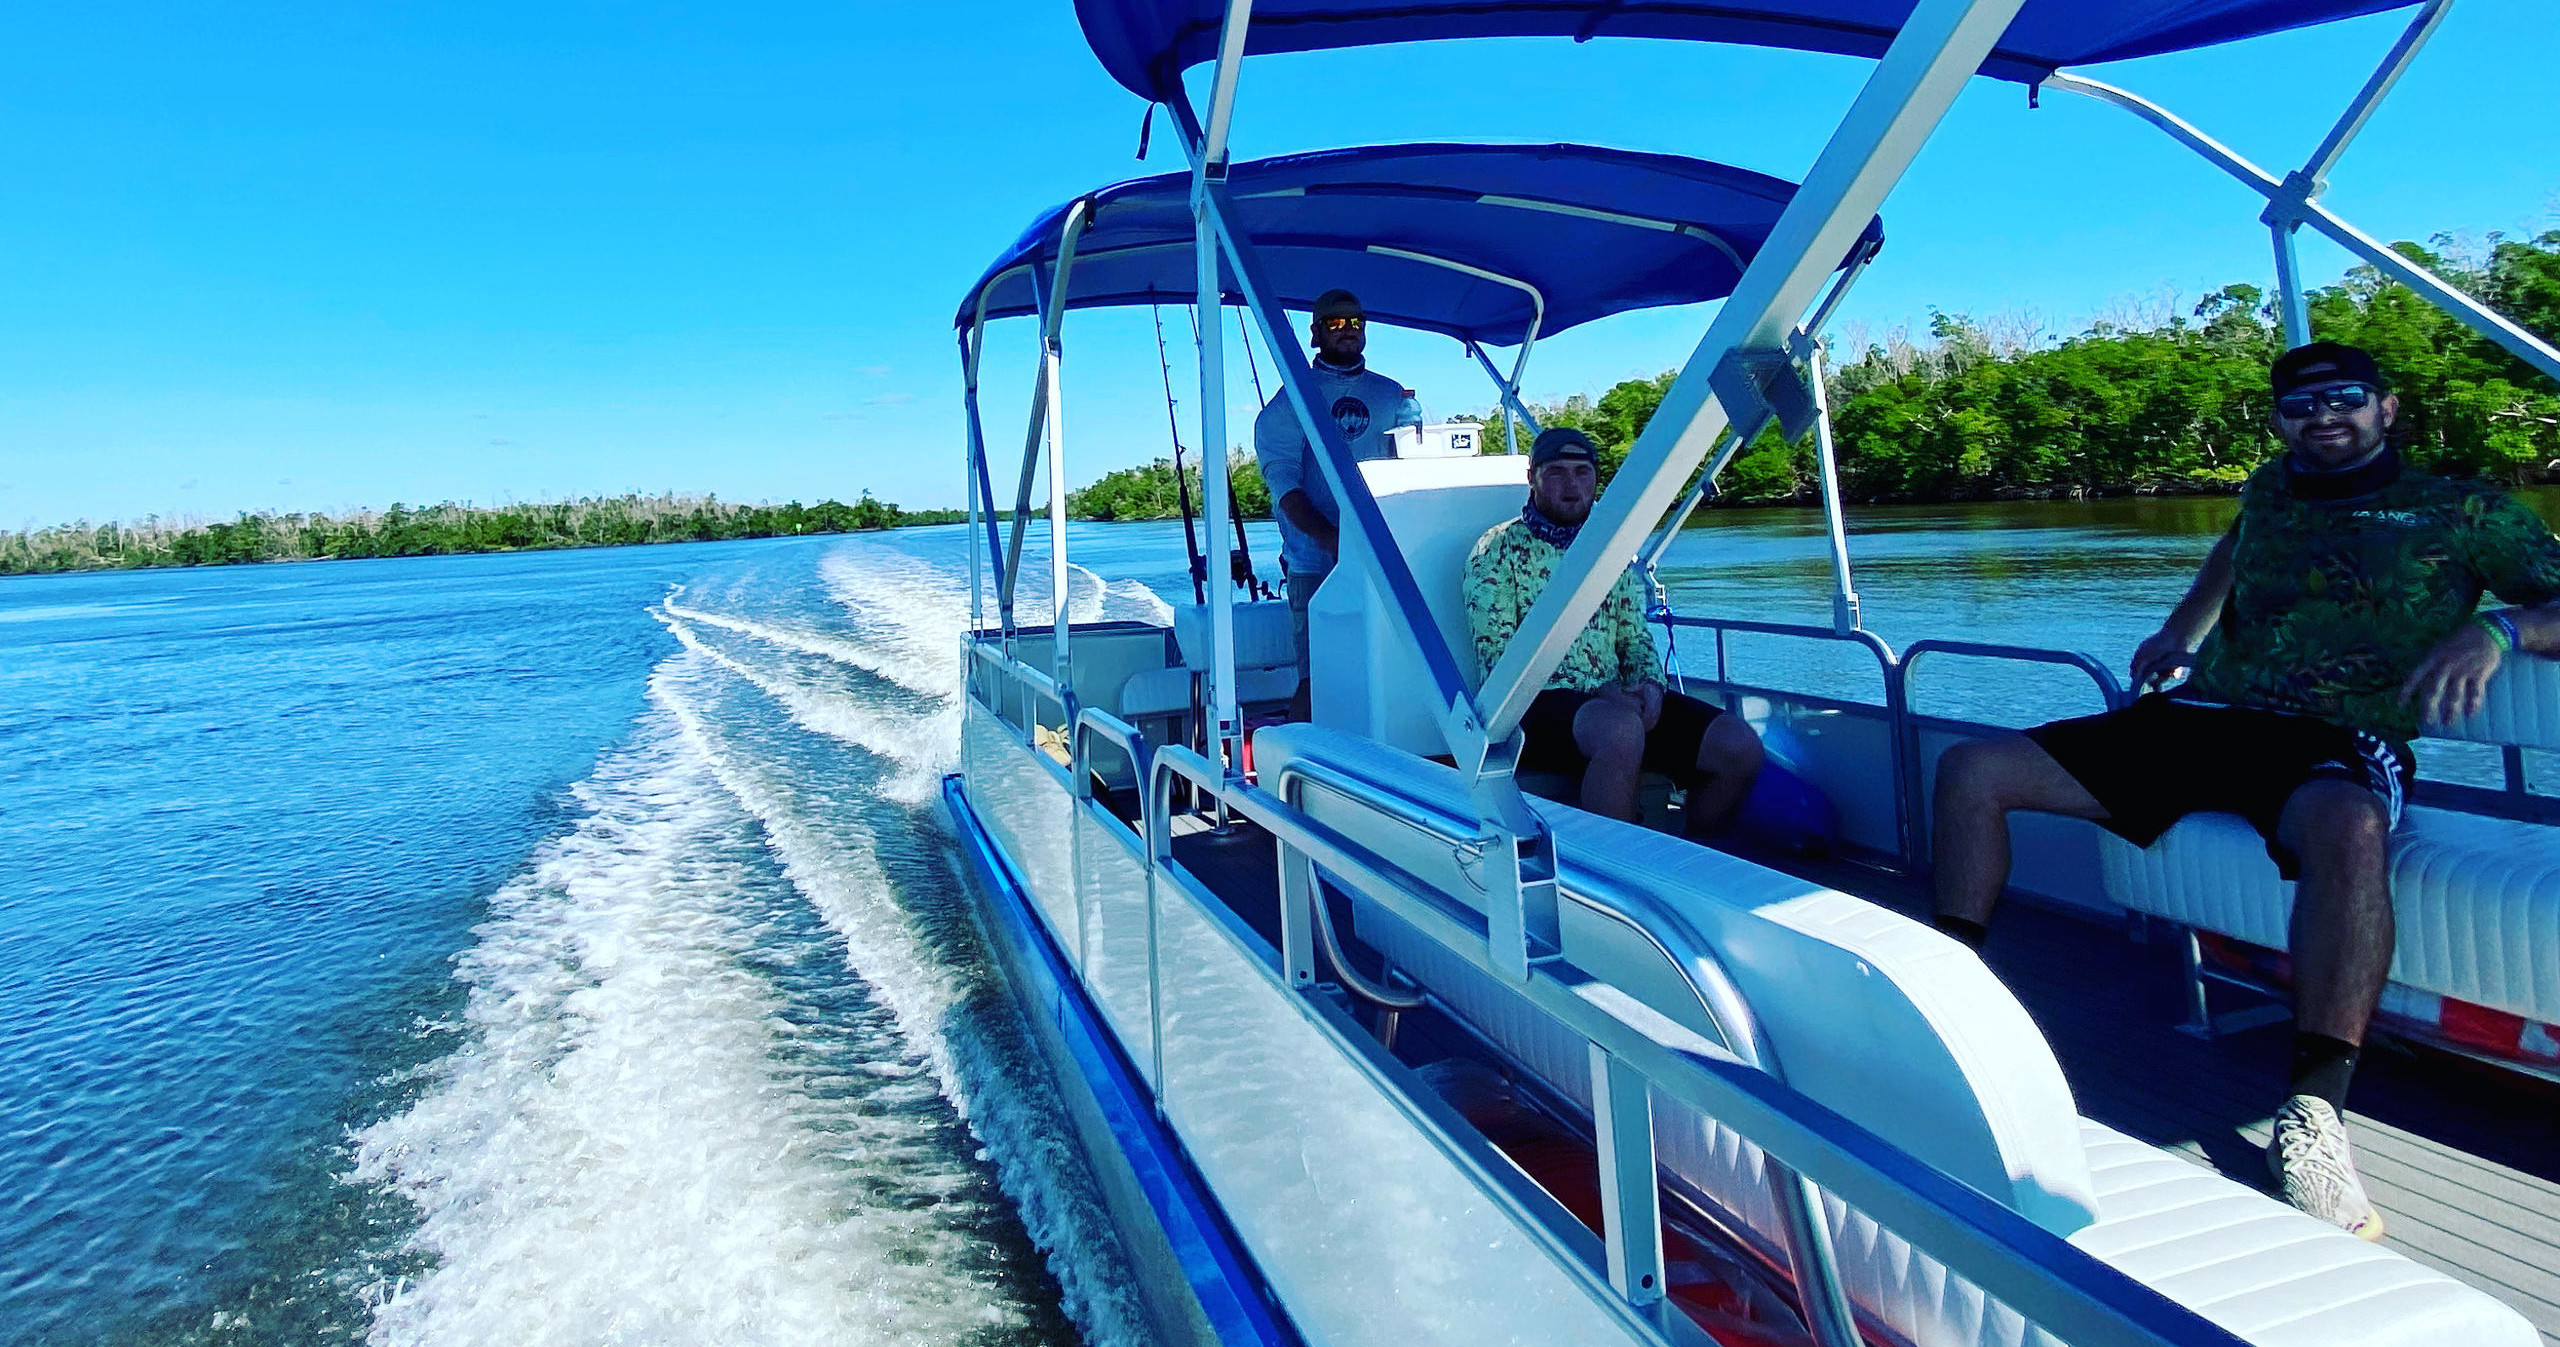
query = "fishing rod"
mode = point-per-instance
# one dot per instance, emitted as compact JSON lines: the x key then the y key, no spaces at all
{"x":1181,"y":485}
{"x":1240,"y":564}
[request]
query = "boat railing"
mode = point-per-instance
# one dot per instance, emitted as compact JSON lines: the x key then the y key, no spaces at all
{"x":1638,"y":1053}
{"x":1018,"y":691}
{"x":1903,"y":724}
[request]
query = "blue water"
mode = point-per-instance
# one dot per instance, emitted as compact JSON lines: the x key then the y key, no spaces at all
{"x":552,"y":947}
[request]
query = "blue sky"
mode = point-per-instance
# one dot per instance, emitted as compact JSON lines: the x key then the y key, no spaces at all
{"x":307,"y":256}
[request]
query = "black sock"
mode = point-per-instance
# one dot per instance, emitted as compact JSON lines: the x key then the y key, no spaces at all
{"x":1966,"y":929}
{"x":2322,"y":1066}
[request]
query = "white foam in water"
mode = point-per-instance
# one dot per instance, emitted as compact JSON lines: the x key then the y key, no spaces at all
{"x":1026,"y":1140}
{"x":614,"y":1158}
{"x":923,"y":746}
{"x":911,"y":612}
{"x":897,"y":663}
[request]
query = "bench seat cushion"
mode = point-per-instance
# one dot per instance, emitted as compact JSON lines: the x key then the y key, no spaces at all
{"x":2477,"y":899}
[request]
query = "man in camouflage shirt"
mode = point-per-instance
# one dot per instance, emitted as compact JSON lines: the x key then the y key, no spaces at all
{"x":2336,"y":619}
{"x":1605,"y":715}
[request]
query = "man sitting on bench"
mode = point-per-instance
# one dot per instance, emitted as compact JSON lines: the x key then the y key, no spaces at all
{"x":2340,"y":612}
{"x":1605,"y":715}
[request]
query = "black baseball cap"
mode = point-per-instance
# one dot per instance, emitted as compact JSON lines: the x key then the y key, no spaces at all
{"x":2323,"y":362}
{"x":1562,"y":442}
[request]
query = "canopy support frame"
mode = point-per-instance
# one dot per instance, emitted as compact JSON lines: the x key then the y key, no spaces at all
{"x":1522,"y":898}
{"x":1047,"y":409}
{"x":1209,"y":347}
{"x":1913,"y":85}
{"x":2293,"y":202}
{"x":1507,"y":389}
{"x":1509,"y":393}
{"x":1649,"y":561}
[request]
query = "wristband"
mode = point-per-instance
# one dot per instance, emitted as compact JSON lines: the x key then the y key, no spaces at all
{"x":2502,"y":630}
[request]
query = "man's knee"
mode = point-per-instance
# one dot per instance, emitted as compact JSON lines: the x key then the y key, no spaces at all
{"x":2007,"y":772}
{"x":1609,"y":730}
{"x":1730,"y":748}
{"x":2337,"y":823}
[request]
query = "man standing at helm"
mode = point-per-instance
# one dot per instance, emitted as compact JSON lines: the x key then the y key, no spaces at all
{"x":2334,"y":622}
{"x":1367,"y":407}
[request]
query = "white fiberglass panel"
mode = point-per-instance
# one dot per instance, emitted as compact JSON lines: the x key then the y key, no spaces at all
{"x":1115,"y":934}
{"x":1366,"y":1229}
{"x":1026,"y":808}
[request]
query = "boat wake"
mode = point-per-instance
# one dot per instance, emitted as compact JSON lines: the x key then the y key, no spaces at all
{"x":735,"y":1067}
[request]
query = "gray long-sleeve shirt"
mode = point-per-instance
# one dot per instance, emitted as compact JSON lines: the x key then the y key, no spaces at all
{"x":1366,"y":406}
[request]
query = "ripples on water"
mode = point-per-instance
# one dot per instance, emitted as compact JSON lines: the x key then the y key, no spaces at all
{"x":556,"y":948}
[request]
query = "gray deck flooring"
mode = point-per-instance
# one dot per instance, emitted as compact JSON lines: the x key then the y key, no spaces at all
{"x":2464,"y":1161}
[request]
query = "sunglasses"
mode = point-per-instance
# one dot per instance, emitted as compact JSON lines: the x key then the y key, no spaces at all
{"x":2301,"y":406}
{"x":1353,"y":324}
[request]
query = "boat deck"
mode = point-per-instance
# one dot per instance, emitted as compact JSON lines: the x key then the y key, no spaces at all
{"x":2463,"y":1160}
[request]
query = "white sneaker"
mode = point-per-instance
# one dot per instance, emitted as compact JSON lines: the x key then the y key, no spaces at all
{"x":2310,"y":1161}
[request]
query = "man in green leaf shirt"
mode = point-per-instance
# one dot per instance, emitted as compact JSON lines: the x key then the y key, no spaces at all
{"x":2331,"y":623}
{"x":1605,"y":714}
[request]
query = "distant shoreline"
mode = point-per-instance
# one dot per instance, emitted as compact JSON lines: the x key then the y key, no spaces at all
{"x":449,"y":529}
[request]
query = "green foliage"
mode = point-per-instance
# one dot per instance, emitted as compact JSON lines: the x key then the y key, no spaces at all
{"x":1147,"y":492}
{"x":440,"y":529}
{"x":2176,"y":404}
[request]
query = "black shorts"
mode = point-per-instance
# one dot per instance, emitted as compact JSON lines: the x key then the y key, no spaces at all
{"x":1670,"y":748}
{"x":2161,"y":759}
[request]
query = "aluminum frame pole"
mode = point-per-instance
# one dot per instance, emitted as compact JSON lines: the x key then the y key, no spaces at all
{"x":1915,"y":82}
{"x":2286,"y":201}
{"x":1053,"y":317}
{"x":2376,"y":88}
{"x":1844,"y":593}
{"x":1209,"y":347}
{"x":973,"y":472}
{"x":1731,"y":444}
{"x":2293,"y":304}
{"x":1508,"y":393}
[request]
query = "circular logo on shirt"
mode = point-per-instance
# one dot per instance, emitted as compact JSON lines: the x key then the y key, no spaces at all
{"x":1352,"y":415}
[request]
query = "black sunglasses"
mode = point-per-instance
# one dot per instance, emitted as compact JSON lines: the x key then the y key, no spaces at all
{"x":2300,"y":406}
{"x":1339,"y":324}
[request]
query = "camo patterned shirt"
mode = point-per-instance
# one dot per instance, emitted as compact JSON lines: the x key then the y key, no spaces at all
{"x":2334,"y":603}
{"x":1506,"y":573}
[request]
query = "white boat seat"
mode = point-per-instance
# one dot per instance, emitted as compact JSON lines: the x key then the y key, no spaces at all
{"x":2477,"y":899}
{"x":2271,"y":1275}
{"x":1266,"y":662}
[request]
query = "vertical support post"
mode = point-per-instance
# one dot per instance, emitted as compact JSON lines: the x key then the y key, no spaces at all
{"x":1630,"y":1198}
{"x":2291,"y":303}
{"x":1225,"y":724}
{"x":1844,"y":593}
{"x":1052,"y":416}
{"x":1298,"y":897}
{"x":970,"y":473}
{"x":2199,"y":1022}
{"x":1819,"y":1295}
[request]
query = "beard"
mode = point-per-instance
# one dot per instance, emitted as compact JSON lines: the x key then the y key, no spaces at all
{"x":1562,"y":515}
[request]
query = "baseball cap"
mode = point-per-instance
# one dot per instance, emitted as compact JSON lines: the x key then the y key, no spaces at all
{"x":1337,"y":303}
{"x":2323,"y":362}
{"x":1562,"y":442}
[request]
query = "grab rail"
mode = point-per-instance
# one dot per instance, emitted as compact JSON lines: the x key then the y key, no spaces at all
{"x":1888,"y":670}
{"x":2099,"y":673}
{"x":2036,"y":1273}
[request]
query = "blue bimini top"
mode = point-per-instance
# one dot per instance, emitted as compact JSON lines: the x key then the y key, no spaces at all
{"x":1147,"y":44}
{"x":1437,"y":237}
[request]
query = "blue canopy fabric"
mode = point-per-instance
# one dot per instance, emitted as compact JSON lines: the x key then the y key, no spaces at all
{"x":1147,"y":44}
{"x":1595,"y":231}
